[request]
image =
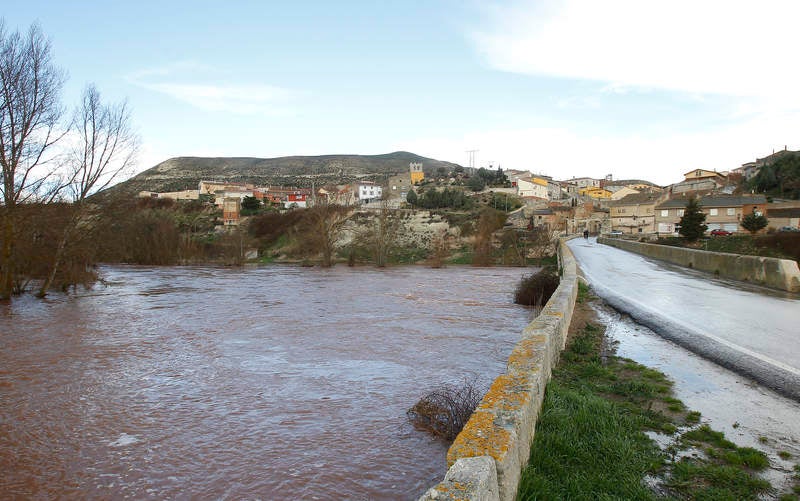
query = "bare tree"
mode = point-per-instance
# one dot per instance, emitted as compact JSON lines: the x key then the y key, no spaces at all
{"x":439,"y":250}
{"x":490,"y":221}
{"x":322,"y":226}
{"x":104,"y":147}
{"x":381,"y":235}
{"x":30,"y":111}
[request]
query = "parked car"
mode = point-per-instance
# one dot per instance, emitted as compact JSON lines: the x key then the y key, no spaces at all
{"x":719,"y":232}
{"x":788,"y":228}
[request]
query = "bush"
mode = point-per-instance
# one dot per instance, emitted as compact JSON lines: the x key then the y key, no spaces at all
{"x":444,"y":411}
{"x":536,"y":289}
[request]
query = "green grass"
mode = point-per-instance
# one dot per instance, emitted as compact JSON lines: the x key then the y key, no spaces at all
{"x":583,"y":292}
{"x":408,"y":255}
{"x":707,"y":481}
{"x":590,"y":441}
{"x":575,"y":430}
{"x":707,"y":435}
{"x":463,"y":256}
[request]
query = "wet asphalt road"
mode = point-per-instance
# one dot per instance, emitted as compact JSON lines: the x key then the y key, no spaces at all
{"x":748,"y":329}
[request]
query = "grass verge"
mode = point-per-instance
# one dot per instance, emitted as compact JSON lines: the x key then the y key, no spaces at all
{"x":593,"y":439}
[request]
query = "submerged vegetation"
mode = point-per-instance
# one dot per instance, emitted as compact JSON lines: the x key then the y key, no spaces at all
{"x":536,"y":289}
{"x":600,"y":426}
{"x":444,"y":411}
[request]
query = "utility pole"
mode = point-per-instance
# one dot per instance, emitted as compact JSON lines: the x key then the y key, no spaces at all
{"x":472,"y":158}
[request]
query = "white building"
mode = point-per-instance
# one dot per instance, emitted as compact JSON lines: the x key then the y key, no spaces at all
{"x":232,"y":192}
{"x":367,"y":191}
{"x":584,"y":182}
{"x":174,"y":195}
{"x":532,"y":187}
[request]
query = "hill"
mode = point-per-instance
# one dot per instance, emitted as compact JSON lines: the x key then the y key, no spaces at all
{"x":183,"y":173}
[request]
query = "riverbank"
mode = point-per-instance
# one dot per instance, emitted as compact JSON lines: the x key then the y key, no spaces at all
{"x":601,"y":404}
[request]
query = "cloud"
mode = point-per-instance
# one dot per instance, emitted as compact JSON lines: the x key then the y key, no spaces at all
{"x":695,"y":46}
{"x":240,"y":99}
{"x":180,"y":81}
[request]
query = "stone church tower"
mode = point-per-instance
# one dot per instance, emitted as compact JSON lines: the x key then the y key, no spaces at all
{"x":416,"y":172}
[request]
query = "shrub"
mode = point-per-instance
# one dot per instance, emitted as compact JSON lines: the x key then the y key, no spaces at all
{"x":536,"y":289}
{"x":444,"y":411}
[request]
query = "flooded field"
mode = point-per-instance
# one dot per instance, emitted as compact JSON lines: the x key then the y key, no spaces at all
{"x":242,"y":383}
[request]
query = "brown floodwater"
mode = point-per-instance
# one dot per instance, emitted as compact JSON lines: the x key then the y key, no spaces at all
{"x":258,"y":383}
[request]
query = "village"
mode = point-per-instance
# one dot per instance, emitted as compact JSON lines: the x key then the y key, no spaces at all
{"x":632,"y":207}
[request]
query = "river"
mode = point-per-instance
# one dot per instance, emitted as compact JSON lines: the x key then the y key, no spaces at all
{"x":259,"y":383}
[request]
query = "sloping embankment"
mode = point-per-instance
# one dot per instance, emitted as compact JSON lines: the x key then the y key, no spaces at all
{"x":486,"y":459}
{"x":772,"y":272}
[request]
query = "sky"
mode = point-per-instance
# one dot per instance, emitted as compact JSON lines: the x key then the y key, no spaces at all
{"x":571,"y":88}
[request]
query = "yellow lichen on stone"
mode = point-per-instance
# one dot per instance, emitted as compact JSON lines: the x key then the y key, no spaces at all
{"x":508,"y":392}
{"x":525,"y":354}
{"x":480,"y":437}
{"x":452,"y":492}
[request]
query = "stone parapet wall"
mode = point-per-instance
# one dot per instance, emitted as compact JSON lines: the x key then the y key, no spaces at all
{"x":487,"y":458}
{"x":781,"y":274}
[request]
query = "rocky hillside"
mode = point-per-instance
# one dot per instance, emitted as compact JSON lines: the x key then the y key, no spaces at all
{"x":184,"y":172}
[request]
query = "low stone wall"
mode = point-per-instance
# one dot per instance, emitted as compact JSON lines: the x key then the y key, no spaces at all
{"x":781,"y":274}
{"x":487,"y":458}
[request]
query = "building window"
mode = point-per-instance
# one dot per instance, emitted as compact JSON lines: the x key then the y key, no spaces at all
{"x":680,"y":212}
{"x":731,"y":211}
{"x":713,"y":212}
{"x":665,"y":213}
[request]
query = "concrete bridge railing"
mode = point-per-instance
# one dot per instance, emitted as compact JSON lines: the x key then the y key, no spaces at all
{"x":487,"y":458}
{"x":768,"y":271}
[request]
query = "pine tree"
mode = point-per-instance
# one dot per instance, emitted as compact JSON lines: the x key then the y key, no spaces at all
{"x":411,"y":198}
{"x":693,"y":221}
{"x":754,"y":222}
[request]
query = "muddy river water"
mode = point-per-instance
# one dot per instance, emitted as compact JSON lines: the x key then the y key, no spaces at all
{"x":259,"y":383}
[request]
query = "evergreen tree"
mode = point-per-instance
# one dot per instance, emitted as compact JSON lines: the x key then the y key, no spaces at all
{"x":780,"y":178}
{"x":476,"y":183}
{"x":500,"y":177}
{"x":754,"y":222}
{"x":411,"y":198}
{"x":693,"y":221}
{"x":251,"y":203}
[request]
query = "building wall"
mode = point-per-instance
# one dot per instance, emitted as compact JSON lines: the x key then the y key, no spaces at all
{"x":585,"y":182}
{"x":173,"y":195}
{"x":230,"y":211}
{"x":399,"y":186}
{"x":368,"y":192}
{"x":415,"y":170}
{"x":623,"y":192}
{"x":595,"y":192}
{"x":633,"y":219}
{"x":527,"y":188}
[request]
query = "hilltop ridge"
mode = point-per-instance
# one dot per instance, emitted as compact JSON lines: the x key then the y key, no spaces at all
{"x":181,"y":173}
